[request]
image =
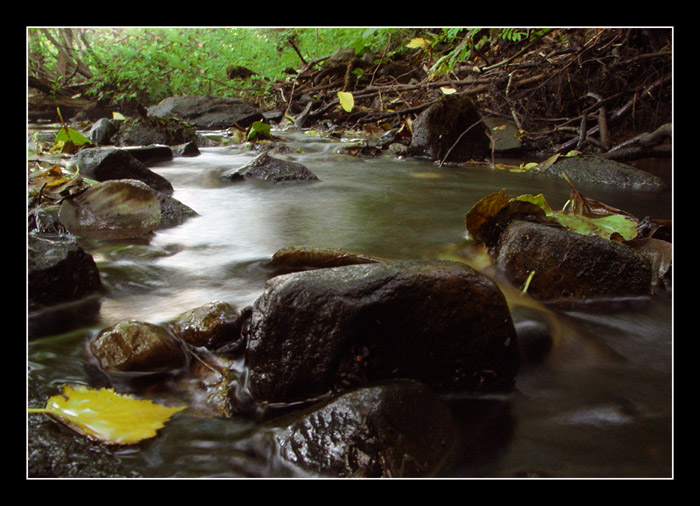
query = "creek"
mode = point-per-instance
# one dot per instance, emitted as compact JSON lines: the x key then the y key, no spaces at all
{"x":602,"y":407}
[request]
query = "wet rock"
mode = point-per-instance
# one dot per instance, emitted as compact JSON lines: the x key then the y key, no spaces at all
{"x":293,"y":259}
{"x":208,"y":112}
{"x":102,"y":132}
{"x":397,"y":429}
{"x":588,"y":168}
{"x":54,"y":451}
{"x":44,"y":220}
{"x":59,"y":271}
{"x":147,"y":131}
{"x":210,"y":325}
{"x":267,"y":168}
{"x":150,"y":154}
{"x":442,"y":125}
{"x":134,"y":346}
{"x":112,"y":210}
{"x":442,"y":323}
{"x":172,"y":211}
{"x":569,"y":265}
{"x":187,"y":149}
{"x":534,"y":341}
{"x":105,"y":164}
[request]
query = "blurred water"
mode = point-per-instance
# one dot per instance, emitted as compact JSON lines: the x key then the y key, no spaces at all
{"x":603,"y":408}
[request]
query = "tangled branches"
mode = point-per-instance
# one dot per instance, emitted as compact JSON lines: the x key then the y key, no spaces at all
{"x":591,"y":89}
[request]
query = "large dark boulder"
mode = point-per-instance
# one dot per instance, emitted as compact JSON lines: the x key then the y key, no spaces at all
{"x":103,"y":164}
{"x":442,"y":323}
{"x":440,"y":130}
{"x":398,"y":429}
{"x":208,"y":112}
{"x":568,"y":264}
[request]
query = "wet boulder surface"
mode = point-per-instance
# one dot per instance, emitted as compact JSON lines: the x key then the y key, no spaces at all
{"x":570,"y":265}
{"x":134,"y":346}
{"x":441,"y":323}
{"x":399,"y":428}
{"x":59,"y":271}
{"x":103,"y":164}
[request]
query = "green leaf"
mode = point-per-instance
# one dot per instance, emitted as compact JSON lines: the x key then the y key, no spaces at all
{"x":68,"y":134}
{"x":538,"y":200}
{"x":259,"y":130}
{"x":109,"y":417}
{"x":347,"y":102}
{"x":605,"y":226}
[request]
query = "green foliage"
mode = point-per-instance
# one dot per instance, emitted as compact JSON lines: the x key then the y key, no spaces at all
{"x":150,"y":64}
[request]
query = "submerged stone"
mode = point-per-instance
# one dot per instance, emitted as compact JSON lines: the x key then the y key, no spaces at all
{"x":294,"y":259}
{"x":442,"y":323}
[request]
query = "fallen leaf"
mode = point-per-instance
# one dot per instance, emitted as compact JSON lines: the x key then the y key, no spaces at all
{"x":106,"y":416}
{"x":418,"y":42}
{"x":347,"y":102}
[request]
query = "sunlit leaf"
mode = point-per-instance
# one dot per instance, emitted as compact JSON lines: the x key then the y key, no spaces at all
{"x":117,"y":115}
{"x":538,"y":200}
{"x":418,"y":42}
{"x":347,"y":101}
{"x":106,"y":416}
{"x":605,"y":226}
{"x":66,"y":134}
{"x":447,"y":90}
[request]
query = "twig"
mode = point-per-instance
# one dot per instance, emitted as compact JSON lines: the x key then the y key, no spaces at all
{"x":457,"y":141}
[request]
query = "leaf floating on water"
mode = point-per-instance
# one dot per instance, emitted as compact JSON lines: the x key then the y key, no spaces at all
{"x":426,"y":175}
{"x":112,"y":418}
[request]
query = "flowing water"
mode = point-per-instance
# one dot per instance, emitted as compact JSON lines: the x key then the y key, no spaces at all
{"x":599,"y":407}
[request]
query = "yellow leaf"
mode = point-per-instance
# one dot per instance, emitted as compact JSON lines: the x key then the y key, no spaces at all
{"x":418,"y":42}
{"x":107,"y":416}
{"x":347,"y":102}
{"x":117,"y":115}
